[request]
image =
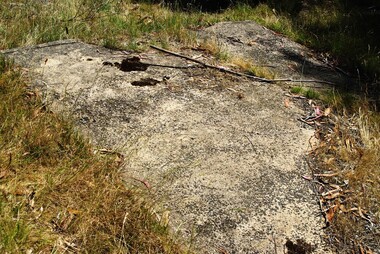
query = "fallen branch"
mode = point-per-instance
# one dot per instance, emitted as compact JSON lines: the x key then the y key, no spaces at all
{"x":238,"y":73}
{"x":327,"y":175}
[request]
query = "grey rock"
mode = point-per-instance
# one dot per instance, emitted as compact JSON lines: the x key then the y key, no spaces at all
{"x":221,"y":152}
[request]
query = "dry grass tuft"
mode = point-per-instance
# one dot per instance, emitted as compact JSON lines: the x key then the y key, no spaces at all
{"x":56,"y":195}
{"x":215,"y":48}
{"x":250,"y":68}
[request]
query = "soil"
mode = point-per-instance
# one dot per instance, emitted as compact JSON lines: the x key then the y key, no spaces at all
{"x":222,"y":154}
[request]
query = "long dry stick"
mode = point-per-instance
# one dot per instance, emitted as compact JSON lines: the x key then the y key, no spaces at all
{"x":239,"y":73}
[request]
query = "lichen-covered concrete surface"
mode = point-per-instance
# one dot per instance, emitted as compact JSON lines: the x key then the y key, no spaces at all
{"x":221,"y":153}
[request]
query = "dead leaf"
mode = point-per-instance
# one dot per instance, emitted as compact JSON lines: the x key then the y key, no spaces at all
{"x":369,"y":251}
{"x":65,"y":223}
{"x":329,"y":161}
{"x":327,"y":112}
{"x":164,"y":221}
{"x":330,"y":214}
{"x":362,"y":251}
{"x":333,"y":195}
{"x":145,"y":182}
{"x":317,"y":111}
{"x":36,"y":112}
{"x":287,"y":103}
{"x":3,"y":174}
{"x":335,"y":186}
{"x":119,"y":160}
{"x":306,"y":177}
{"x":20,"y":192}
{"x":73,"y":211}
{"x":362,"y":214}
{"x":222,"y":250}
{"x":327,"y":175}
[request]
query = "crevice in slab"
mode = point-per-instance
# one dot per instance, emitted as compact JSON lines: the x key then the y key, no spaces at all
{"x":129,"y":64}
{"x":145,"y":82}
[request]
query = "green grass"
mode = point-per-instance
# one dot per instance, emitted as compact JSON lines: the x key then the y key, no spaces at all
{"x":346,"y":32}
{"x":13,"y":230}
{"x":112,"y":23}
{"x":342,"y":100}
{"x":306,"y":92}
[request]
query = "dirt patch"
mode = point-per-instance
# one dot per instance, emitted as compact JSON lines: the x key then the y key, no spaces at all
{"x":221,"y":153}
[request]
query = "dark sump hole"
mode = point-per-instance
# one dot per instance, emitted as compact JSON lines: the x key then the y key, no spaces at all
{"x":299,"y":247}
{"x":106,"y":63}
{"x":129,"y":64}
{"x":145,"y":82}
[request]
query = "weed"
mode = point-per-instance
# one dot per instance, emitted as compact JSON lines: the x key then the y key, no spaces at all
{"x":311,"y":94}
{"x":307,"y":92}
{"x":296,"y":90}
{"x":13,"y":230}
{"x":341,"y":101}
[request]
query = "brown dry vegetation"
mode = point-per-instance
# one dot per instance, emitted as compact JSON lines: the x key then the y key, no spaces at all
{"x":56,"y":195}
{"x":346,"y":164}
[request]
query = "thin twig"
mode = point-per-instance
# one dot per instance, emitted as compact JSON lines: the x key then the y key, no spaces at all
{"x":174,"y":67}
{"x":238,"y":73}
{"x":274,"y":242}
{"x":309,"y":123}
{"x":253,"y":147}
{"x":211,"y":66}
{"x":44,"y":45}
{"x":295,"y":96}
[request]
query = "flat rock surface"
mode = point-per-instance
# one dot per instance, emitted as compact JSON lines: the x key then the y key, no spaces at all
{"x":264,"y":47}
{"x":221,"y":153}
